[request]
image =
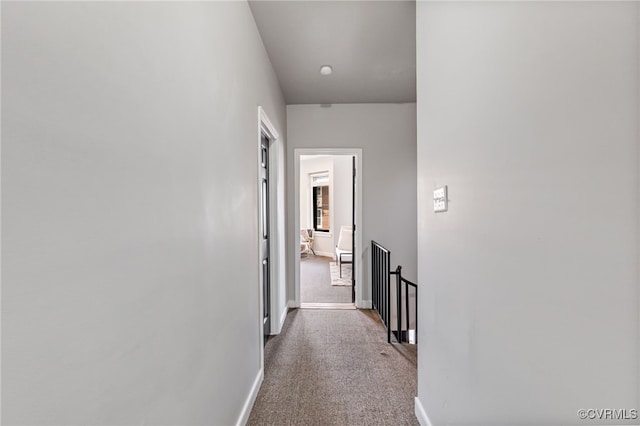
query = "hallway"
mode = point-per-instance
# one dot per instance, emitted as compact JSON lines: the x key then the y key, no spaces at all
{"x":497,"y":151}
{"x":335,"y":368}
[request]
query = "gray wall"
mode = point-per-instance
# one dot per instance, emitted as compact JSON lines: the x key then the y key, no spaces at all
{"x":386,"y":134}
{"x":129,"y":181}
{"x":528,"y":111}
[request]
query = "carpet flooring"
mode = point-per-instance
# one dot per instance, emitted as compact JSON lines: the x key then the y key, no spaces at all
{"x":336,"y":368}
{"x":315,"y":282}
{"x":336,"y":277}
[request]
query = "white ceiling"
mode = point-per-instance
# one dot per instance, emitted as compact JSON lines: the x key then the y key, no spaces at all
{"x":371,"y":46}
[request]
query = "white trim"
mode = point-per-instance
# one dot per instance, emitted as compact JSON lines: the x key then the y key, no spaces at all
{"x":328,"y":306}
{"x":367,"y":304}
{"x":421,"y":414}
{"x":283,"y":317}
{"x":292,"y":304}
{"x":360,"y":249}
{"x":276,"y":240}
{"x":277,"y":223}
{"x":329,"y":184}
{"x":265,"y":126}
{"x":251,"y":399}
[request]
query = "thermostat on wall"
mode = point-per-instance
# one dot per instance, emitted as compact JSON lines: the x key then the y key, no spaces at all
{"x":440,"y":199}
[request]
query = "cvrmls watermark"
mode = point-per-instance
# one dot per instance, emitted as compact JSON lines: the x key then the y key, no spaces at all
{"x":608,"y":414}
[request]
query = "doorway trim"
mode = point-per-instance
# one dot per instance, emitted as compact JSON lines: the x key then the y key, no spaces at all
{"x":277,"y":230}
{"x":359,"y":255}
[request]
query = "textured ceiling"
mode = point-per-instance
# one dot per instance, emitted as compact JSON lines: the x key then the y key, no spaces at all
{"x":370,"y":45}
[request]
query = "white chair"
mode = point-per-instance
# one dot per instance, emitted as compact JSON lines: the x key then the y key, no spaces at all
{"x":343,"y":249}
{"x":306,"y":242}
{"x":304,"y":245}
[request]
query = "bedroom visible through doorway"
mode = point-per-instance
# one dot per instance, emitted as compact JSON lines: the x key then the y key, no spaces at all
{"x":326,"y":212}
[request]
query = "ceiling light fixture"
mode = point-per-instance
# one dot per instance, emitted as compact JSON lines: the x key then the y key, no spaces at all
{"x":326,"y":70}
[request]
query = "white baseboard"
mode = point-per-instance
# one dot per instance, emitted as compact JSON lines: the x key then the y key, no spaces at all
{"x":251,"y":399}
{"x":283,"y":317}
{"x":292,"y":304}
{"x":324,"y":254}
{"x":421,"y":414}
{"x":366,"y":304}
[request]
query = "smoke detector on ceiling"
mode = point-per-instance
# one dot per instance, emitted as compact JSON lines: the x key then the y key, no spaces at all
{"x":326,"y":70}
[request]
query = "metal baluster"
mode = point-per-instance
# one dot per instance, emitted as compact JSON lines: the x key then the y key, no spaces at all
{"x":399,"y":303}
{"x":406,"y":302}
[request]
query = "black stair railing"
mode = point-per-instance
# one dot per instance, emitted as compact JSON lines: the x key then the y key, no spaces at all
{"x":381,"y":284}
{"x":402,"y":333}
{"x":382,"y":295}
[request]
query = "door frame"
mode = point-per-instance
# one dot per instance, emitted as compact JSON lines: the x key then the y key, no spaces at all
{"x":265,"y":232}
{"x":359,"y":255}
{"x":277,"y":229}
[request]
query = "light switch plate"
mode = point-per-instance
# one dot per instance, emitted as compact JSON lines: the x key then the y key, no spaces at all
{"x":440,"y":199}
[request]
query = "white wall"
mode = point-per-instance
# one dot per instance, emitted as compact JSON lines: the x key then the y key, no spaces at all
{"x":323,"y":242}
{"x":130,"y":253}
{"x":343,"y":193}
{"x":528,"y":111}
{"x":386,"y":134}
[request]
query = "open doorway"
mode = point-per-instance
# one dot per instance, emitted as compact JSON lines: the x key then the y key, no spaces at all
{"x":327,"y":211}
{"x":326,"y":214}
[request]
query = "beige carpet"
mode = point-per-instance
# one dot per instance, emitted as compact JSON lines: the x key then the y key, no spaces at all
{"x":334,"y":271}
{"x":315,"y":282}
{"x":336,"y":368}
